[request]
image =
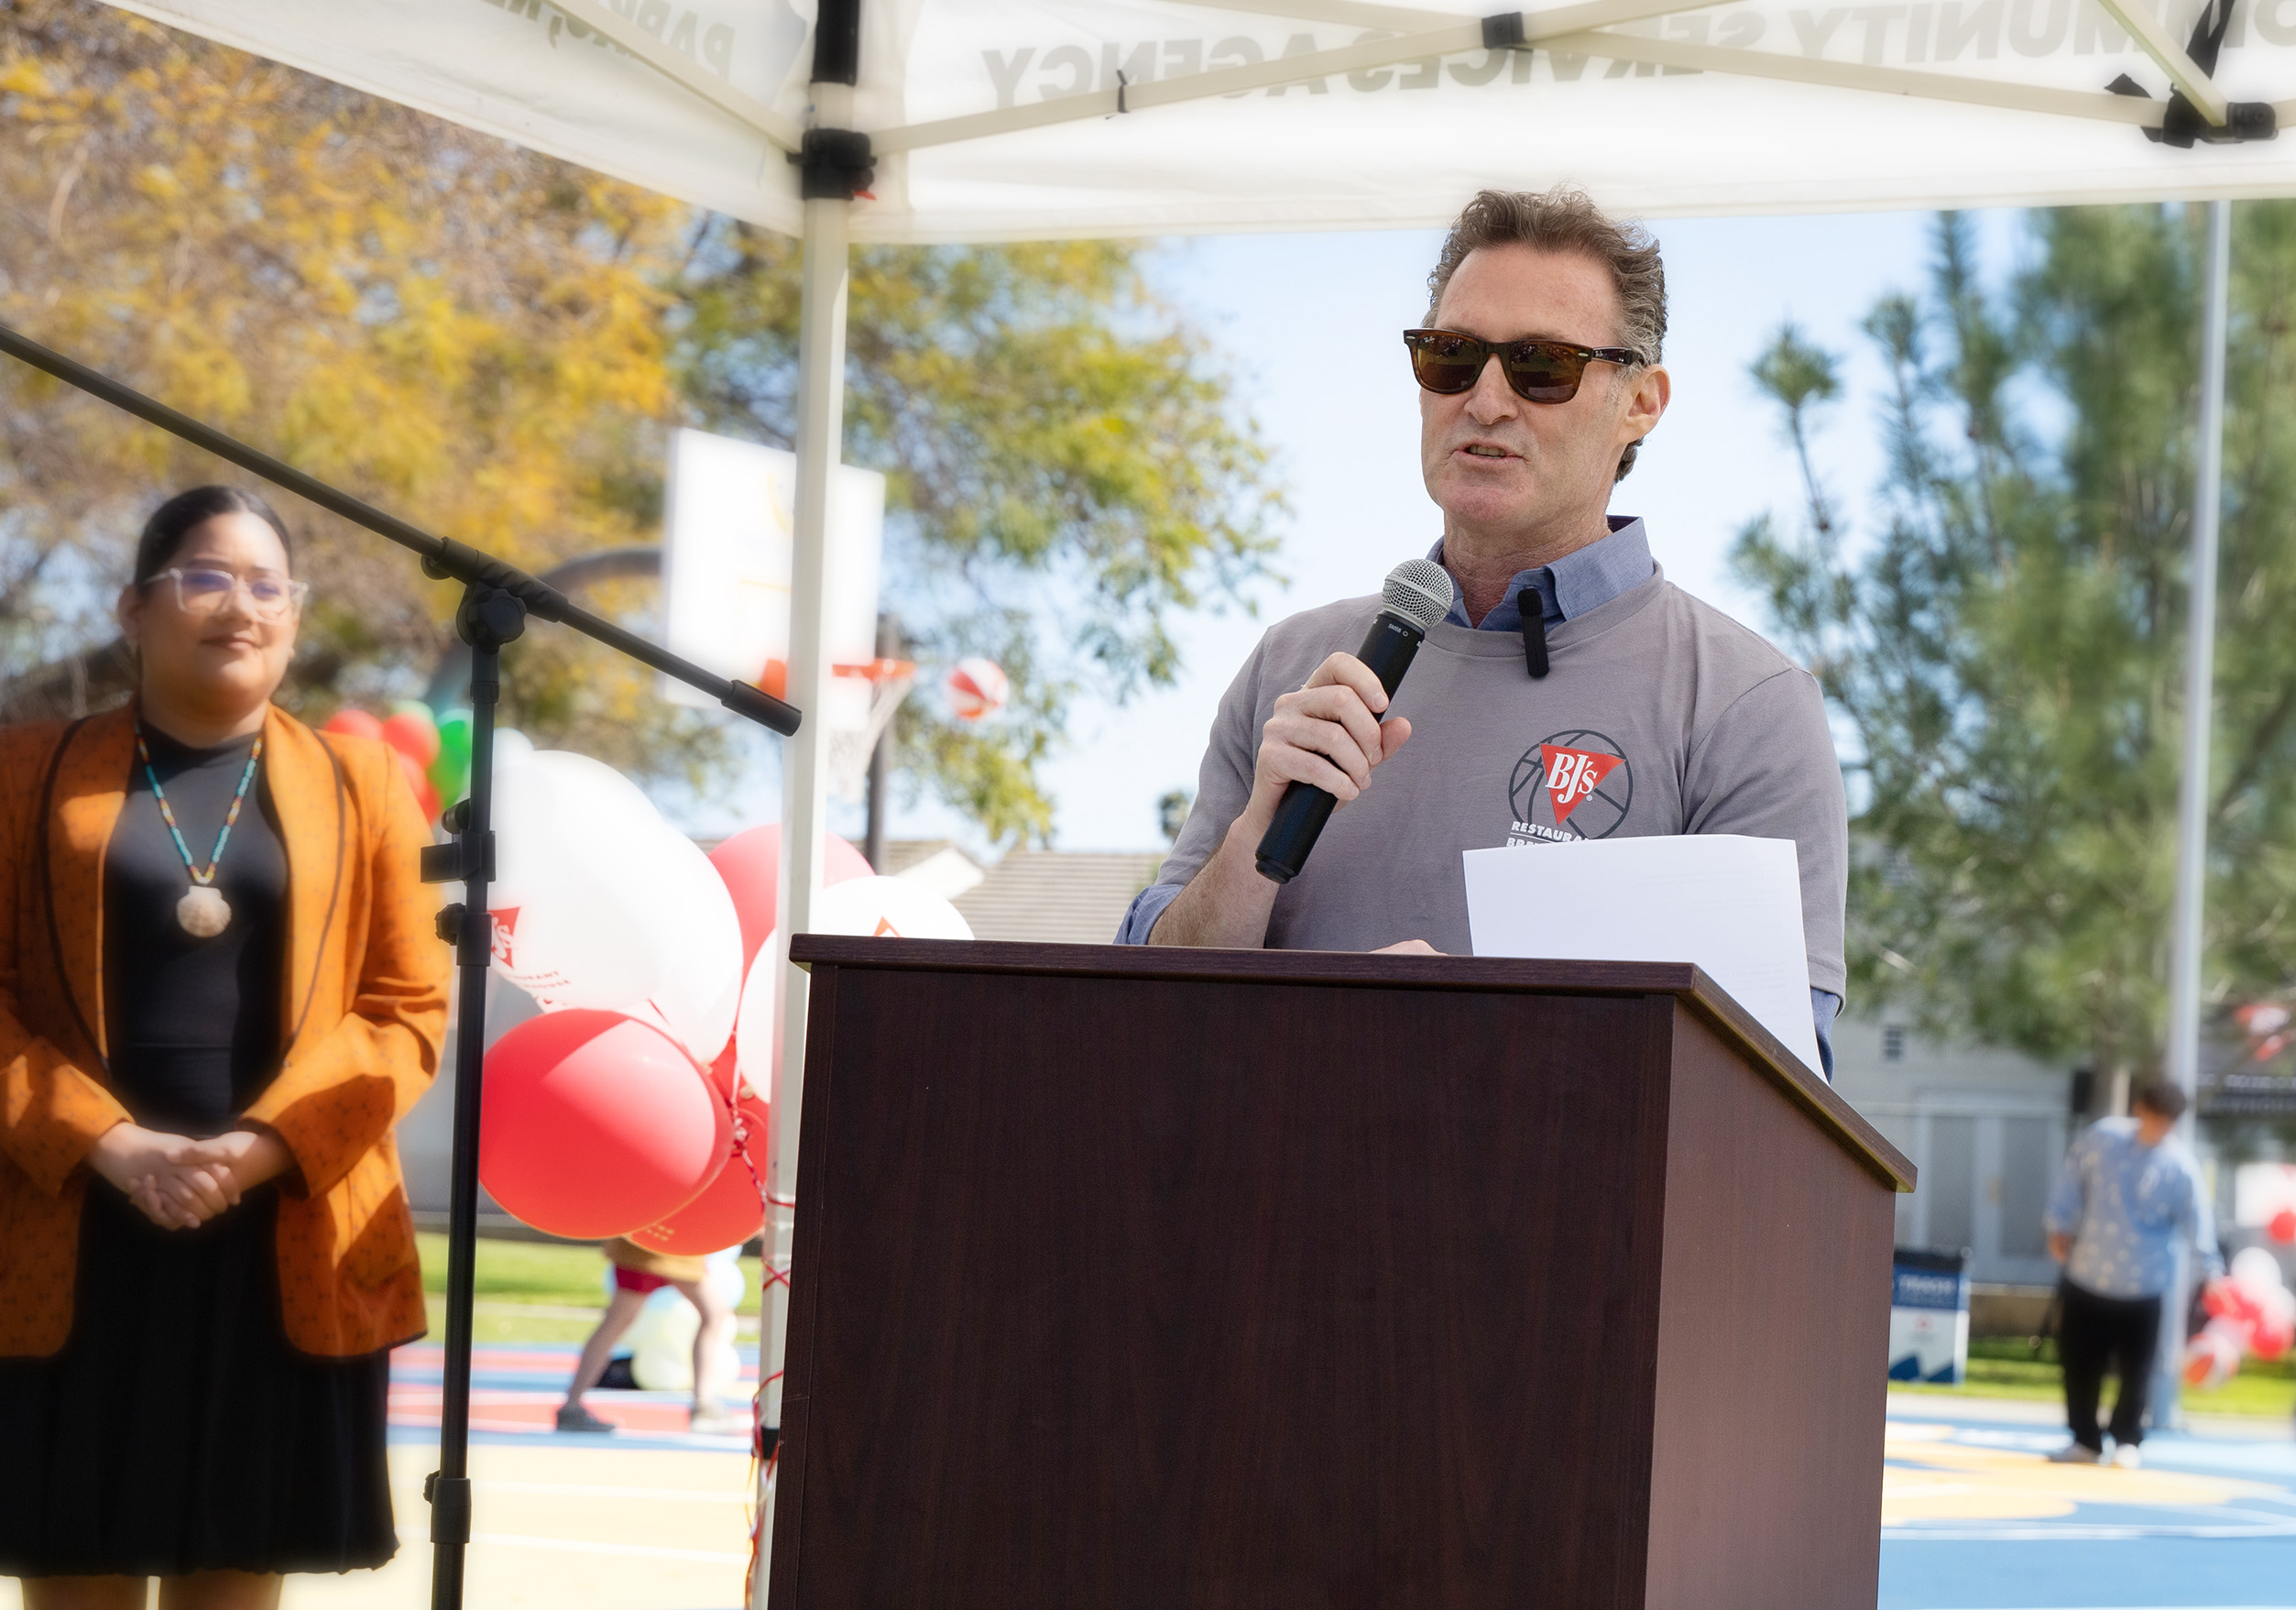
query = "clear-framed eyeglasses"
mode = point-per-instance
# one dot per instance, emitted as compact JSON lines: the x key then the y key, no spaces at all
{"x":201,"y":591}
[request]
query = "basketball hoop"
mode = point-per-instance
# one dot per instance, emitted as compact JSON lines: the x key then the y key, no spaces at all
{"x":849,"y":751}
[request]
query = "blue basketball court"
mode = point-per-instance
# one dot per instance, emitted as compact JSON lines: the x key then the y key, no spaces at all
{"x":1974,"y":1516}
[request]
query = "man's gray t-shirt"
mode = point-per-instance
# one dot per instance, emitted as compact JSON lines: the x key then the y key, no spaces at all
{"x":1659,"y":714}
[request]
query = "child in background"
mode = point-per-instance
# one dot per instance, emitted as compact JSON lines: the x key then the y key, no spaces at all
{"x":639,"y":1272}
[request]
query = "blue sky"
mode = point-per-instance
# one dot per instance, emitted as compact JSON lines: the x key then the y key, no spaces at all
{"x":1345,"y":433}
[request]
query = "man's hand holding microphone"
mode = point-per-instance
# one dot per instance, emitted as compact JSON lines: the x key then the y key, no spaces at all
{"x":1318,"y":750}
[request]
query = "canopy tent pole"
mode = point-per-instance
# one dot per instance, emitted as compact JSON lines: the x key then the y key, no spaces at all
{"x":804,"y":763}
{"x":2192,"y":849}
{"x":830,"y":180}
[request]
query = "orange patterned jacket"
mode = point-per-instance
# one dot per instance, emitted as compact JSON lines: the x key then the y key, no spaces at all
{"x":365,"y":1011}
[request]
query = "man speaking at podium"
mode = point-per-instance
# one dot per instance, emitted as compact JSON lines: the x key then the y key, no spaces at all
{"x":1572,"y":692}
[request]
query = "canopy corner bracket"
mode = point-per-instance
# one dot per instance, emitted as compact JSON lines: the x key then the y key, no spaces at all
{"x":2197,"y":111}
{"x":835,"y":164}
{"x":1504,"y":31}
{"x":2183,"y":126}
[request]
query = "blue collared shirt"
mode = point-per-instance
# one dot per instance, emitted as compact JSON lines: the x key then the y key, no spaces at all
{"x":1571,"y":587}
{"x":2126,"y":1205}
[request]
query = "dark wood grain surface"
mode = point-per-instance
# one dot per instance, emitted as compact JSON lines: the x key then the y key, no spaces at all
{"x":1120,"y":1292}
{"x":1768,"y":1451}
{"x":1802,"y":1085}
{"x":1216,"y":1286}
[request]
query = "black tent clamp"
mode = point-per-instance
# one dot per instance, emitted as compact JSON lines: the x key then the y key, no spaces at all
{"x":835,"y":164}
{"x":2182,"y":124}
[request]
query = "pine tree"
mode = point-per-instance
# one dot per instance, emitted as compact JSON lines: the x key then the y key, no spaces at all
{"x":2003,"y":635}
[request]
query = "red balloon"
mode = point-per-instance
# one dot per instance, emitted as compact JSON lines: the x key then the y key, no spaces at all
{"x":731,"y":1208}
{"x":412,"y":735}
{"x":2224,"y":1299}
{"x":724,"y":1074}
{"x":753,"y":1108}
{"x":352,"y":723}
{"x":728,"y":1212}
{"x":426,"y":793}
{"x":2283,"y":1225}
{"x":751,"y":862}
{"x":593,"y":1125}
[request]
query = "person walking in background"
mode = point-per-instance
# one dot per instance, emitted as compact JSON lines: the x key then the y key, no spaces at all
{"x":638,"y":1273}
{"x":2128,"y":1190}
{"x":220,"y":989}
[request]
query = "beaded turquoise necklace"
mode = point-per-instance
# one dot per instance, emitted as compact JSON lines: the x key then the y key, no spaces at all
{"x":203,"y":911}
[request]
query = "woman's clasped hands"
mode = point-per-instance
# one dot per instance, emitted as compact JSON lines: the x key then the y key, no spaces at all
{"x":179,"y":1183}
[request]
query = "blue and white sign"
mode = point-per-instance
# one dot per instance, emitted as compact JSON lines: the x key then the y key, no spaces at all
{"x":1929,"y":1316}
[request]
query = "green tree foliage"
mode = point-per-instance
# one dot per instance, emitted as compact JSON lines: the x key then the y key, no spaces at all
{"x":466,"y":333}
{"x":494,"y":344}
{"x":1063,"y":471}
{"x":2007,"y":641}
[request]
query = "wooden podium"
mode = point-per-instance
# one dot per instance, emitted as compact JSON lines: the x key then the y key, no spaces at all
{"x":1160,"y":1278}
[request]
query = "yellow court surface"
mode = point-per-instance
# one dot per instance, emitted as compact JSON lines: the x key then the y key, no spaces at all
{"x":561,"y":1527}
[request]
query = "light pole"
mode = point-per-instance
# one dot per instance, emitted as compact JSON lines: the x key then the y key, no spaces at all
{"x":2191,"y":848}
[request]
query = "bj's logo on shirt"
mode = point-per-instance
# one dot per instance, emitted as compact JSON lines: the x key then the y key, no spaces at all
{"x":1573,"y":784}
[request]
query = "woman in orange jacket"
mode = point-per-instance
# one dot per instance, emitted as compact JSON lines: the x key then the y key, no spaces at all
{"x":219,"y":990}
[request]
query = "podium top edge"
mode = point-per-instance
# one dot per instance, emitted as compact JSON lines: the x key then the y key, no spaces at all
{"x":1697,"y":992}
{"x":1188,"y":962}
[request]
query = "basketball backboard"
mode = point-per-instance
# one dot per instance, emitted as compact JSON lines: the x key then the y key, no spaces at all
{"x":726,"y":556}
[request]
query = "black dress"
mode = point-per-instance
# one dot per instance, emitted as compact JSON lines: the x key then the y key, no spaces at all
{"x":178,"y":1430}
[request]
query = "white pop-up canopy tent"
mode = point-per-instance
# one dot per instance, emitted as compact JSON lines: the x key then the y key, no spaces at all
{"x":974,"y":120}
{"x":1029,"y":119}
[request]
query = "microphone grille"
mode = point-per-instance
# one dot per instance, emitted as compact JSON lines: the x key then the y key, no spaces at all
{"x":1419,"y":590}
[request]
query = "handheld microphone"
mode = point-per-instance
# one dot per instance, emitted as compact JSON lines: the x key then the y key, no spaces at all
{"x":1418,"y":595}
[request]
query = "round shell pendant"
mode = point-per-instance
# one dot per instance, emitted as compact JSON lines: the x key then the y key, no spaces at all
{"x":202,"y":911}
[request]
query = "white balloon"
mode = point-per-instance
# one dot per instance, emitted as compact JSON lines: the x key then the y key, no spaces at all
{"x":577,"y":946}
{"x":599,"y":903}
{"x":662,"y":1355}
{"x":757,"y":1046}
{"x":661,"y":1335}
{"x":2211,"y":1358}
{"x":887,"y":907}
{"x":701,"y":995}
{"x":548,"y":806}
{"x":2255,"y":1269}
{"x":892,"y":908}
{"x":724,"y":1275}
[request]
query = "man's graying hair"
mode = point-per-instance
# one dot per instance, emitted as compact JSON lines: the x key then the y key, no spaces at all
{"x":1566,"y":220}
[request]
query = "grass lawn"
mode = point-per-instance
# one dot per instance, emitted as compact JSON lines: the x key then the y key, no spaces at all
{"x":563,"y":1273}
{"x":539,"y":1274}
{"x":569,"y":1274}
{"x":507,"y":1326}
{"x":2005,"y":1367}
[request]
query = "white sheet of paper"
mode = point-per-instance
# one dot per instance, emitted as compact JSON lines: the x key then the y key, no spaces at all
{"x":1729,"y":904}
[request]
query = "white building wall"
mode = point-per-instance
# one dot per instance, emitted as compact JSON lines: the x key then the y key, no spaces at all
{"x":1986,"y":1128}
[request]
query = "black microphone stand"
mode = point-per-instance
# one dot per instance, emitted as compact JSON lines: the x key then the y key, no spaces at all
{"x":496,"y":599}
